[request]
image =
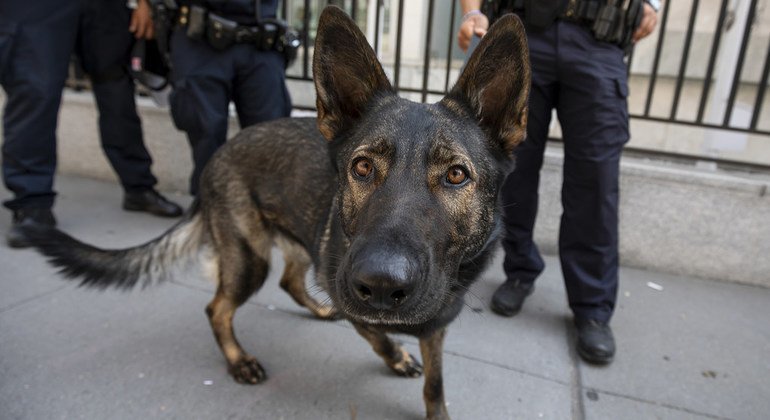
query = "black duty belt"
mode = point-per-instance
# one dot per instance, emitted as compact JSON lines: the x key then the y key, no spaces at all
{"x":581,"y":11}
{"x":585,"y":11}
{"x":608,"y":21}
{"x":222,"y":33}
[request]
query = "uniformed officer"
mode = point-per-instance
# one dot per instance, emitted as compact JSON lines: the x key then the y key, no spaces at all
{"x":37,"y":39}
{"x":584,"y":79}
{"x":219,"y":54}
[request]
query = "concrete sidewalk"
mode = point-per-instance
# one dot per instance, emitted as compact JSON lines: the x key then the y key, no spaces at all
{"x":695,"y":349}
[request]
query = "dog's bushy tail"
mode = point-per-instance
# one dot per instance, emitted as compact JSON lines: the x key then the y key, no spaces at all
{"x":120,"y":268}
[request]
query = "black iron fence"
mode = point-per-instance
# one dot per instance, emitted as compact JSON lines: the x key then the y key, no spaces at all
{"x":383,"y":16}
{"x":706,"y":65}
{"x":725,"y":20}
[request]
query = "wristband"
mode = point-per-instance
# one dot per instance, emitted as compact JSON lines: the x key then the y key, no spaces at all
{"x":473,"y":12}
{"x":655,"y":4}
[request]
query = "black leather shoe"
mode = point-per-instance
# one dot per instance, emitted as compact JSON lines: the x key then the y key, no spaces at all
{"x":151,"y":201}
{"x":509,"y":297}
{"x":595,"y":343}
{"x":16,"y":237}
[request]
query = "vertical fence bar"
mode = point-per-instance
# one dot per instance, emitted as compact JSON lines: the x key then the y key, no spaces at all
{"x":712,"y":61}
{"x":761,"y":88}
{"x":426,"y":59}
{"x":377,"y":28}
{"x":354,"y":10}
{"x":739,"y":65}
{"x":306,"y":40}
{"x":399,"y":26}
{"x":450,"y":43}
{"x":685,"y":58}
{"x":656,"y":61}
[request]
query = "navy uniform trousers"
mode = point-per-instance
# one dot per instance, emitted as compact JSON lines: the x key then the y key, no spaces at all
{"x":37,"y":39}
{"x":586,"y":82}
{"x":206,"y":80}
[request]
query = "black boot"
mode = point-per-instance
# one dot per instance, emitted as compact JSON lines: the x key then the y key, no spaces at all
{"x":23,"y":217}
{"x":595,"y":343}
{"x":509,"y":297}
{"x":150,"y":201}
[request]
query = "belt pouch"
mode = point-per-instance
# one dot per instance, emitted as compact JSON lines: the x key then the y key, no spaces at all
{"x":269,"y":31}
{"x":220,"y":32}
{"x":607,"y":23}
{"x":196,"y":23}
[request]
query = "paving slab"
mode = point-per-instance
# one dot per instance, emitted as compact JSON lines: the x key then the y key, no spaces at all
{"x":698,"y":346}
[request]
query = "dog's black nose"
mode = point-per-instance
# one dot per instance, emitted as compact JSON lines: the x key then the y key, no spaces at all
{"x":383,"y":280}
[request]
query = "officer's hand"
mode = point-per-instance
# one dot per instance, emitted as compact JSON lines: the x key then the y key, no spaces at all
{"x":475,"y":24}
{"x":649,"y":20}
{"x":141,"y":21}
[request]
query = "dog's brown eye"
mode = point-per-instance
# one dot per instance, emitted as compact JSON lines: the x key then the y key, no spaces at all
{"x":362,"y":167}
{"x":456,"y":175}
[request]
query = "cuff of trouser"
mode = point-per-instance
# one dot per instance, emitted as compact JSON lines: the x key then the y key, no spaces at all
{"x":598,"y":313}
{"x":30,"y":203}
{"x":140,"y":189}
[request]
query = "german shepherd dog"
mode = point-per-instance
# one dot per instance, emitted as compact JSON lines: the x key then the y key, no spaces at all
{"x":394,"y":203}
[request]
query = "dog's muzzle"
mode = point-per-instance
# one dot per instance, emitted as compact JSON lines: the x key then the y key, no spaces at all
{"x":384,"y":279}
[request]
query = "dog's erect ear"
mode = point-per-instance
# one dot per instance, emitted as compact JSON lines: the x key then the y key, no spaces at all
{"x":495,"y":83}
{"x":346,"y":71}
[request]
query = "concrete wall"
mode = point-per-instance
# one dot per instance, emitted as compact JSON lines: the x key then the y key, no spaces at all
{"x":674,"y":218}
{"x":679,"y":219}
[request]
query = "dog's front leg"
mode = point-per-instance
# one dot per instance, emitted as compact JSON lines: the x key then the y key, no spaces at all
{"x":395,"y":356}
{"x":432,"y":348}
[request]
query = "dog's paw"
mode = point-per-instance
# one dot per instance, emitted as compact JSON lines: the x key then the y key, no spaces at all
{"x":247,"y":371}
{"x":408,"y":366}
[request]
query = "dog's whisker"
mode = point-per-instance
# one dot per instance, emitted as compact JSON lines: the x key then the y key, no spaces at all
{"x":505,"y":206}
{"x":469,"y":291}
{"x":316,"y":289}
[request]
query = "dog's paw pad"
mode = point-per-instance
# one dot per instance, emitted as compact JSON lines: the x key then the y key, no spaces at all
{"x":248,"y":371}
{"x":408,"y":367}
